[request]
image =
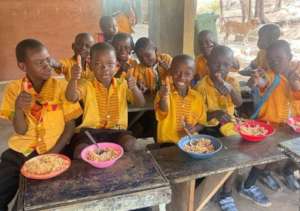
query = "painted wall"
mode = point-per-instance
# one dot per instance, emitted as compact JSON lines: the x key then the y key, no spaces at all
{"x":54,"y":22}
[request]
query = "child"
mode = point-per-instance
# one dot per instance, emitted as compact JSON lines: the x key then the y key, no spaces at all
{"x":278,"y":98}
{"x":108,"y":27}
{"x":179,"y":108}
{"x":267,"y":34}
{"x":123,"y":44}
{"x":81,"y":47}
{"x":221,"y":95}
{"x":125,"y":18}
{"x":41,"y":117}
{"x":206,"y":43}
{"x":105,"y":100}
{"x":153,"y":67}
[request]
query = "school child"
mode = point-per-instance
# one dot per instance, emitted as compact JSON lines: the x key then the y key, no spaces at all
{"x":178,"y":107}
{"x":105,"y":101}
{"x":221,"y":95}
{"x":125,"y":18}
{"x":153,"y":67}
{"x":81,"y":48}
{"x":278,"y":90}
{"x":108,"y":27}
{"x":41,"y":116}
{"x":124,"y":45}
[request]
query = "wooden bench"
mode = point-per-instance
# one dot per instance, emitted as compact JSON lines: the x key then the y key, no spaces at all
{"x":182,"y":171}
{"x":135,"y":181}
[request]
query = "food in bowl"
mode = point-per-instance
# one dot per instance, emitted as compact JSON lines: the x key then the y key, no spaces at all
{"x":253,"y":130}
{"x":202,"y":145}
{"x":104,"y":155}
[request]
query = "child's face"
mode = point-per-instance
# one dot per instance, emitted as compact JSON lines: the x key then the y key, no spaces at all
{"x":83,"y":45}
{"x":36,"y":64}
{"x":182,"y":74}
{"x":110,"y":28}
{"x":104,"y":66}
{"x":147,"y":56}
{"x":206,"y":44}
{"x":278,"y":60}
{"x":123,"y":50}
{"x":221,"y":65}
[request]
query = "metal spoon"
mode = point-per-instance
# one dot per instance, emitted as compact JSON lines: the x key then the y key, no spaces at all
{"x":98,"y":151}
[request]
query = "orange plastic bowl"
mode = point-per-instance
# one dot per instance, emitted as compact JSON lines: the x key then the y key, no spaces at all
{"x":294,"y":122}
{"x":67,"y":164}
{"x":253,"y":123}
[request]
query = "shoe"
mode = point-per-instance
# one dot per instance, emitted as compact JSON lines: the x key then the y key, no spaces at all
{"x":255,"y":194}
{"x":227,"y":204}
{"x":291,"y":182}
{"x":269,"y":181}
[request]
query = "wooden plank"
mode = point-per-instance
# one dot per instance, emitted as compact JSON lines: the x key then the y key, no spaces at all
{"x":292,"y":148}
{"x":183,"y":195}
{"x":209,"y":186}
{"x":236,"y":154}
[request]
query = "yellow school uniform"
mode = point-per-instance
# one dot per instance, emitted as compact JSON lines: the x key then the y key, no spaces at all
{"x":105,"y":107}
{"x":132,"y":65}
{"x":151,"y":78}
{"x":124,"y":23}
{"x":190,"y":108}
{"x":66,"y":67}
{"x":46,"y":119}
{"x":214,"y":100}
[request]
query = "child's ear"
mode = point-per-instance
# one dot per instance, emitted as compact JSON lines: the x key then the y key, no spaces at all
{"x":22,"y":66}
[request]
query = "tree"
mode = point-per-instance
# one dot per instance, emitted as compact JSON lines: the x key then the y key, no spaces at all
{"x":260,"y":10}
{"x":278,"y":5}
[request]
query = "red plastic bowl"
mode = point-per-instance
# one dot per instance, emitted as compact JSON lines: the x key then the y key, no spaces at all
{"x":253,"y":123}
{"x":292,"y":123}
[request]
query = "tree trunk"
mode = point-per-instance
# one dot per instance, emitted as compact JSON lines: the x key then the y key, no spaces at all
{"x":250,"y":10}
{"x":221,"y":9}
{"x":259,"y":10}
{"x":278,"y":5}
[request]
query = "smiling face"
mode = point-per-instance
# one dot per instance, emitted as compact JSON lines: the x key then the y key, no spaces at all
{"x":147,"y":56}
{"x":278,"y":60}
{"x":109,"y":26}
{"x":123,"y":49}
{"x":182,"y":73}
{"x":82,"y":45}
{"x":206,"y":43}
{"x":103,"y":64}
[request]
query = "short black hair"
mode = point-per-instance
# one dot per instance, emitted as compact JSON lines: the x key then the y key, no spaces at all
{"x":104,"y":19}
{"x":23,"y":46}
{"x":182,"y":58}
{"x":143,"y":43}
{"x":203,"y":33}
{"x":280,"y":44}
{"x":220,"y":50}
{"x":101,"y":47}
{"x":83,"y":34}
{"x":273,"y":30}
{"x":122,"y":36}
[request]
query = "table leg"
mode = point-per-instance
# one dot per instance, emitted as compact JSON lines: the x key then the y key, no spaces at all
{"x":183,"y":195}
{"x":209,"y":186}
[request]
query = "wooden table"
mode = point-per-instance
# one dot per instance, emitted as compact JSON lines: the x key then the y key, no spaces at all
{"x":292,"y":149}
{"x":135,"y":181}
{"x":182,"y":170}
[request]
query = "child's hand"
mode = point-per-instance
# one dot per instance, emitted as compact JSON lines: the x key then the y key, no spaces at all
{"x":76,"y":72}
{"x":222,"y":116}
{"x":164,"y":65}
{"x":53,"y":63}
{"x":257,"y":79}
{"x":164,"y":91}
{"x":142,"y":86}
{"x":131,"y":81}
{"x":294,"y":80}
{"x":23,"y":101}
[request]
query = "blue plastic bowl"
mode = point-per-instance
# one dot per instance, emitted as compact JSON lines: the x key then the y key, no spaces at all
{"x":185,"y":140}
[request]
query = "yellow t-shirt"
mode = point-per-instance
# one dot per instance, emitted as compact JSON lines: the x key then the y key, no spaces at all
{"x":46,"y":120}
{"x":214,"y":100}
{"x":66,"y":67}
{"x":105,"y":108}
{"x":190,"y":108}
{"x":146,"y":75}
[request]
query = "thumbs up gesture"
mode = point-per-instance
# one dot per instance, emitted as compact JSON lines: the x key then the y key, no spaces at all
{"x":76,"y":69}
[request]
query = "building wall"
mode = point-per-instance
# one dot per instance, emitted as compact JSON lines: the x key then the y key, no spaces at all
{"x":54,"y":22}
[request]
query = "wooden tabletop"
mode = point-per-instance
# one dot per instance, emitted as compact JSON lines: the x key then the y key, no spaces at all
{"x":292,"y":148}
{"x":236,"y":153}
{"x":135,"y":181}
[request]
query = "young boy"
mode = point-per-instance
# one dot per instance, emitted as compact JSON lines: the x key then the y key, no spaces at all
{"x":179,"y":108}
{"x":81,"y":47}
{"x":105,"y":100}
{"x":153,"y":67}
{"x":123,"y":44}
{"x":267,"y":34}
{"x":278,"y":98}
{"x":221,"y":95}
{"x":41,"y":116}
{"x":108,"y":27}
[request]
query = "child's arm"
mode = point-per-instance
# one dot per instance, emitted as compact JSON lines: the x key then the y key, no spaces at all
{"x":294,"y":81}
{"x":72,"y":93}
{"x":220,"y":115}
{"x":163,"y":102}
{"x":23,"y":103}
{"x":236,"y":97}
{"x":65,"y":137}
{"x":138,"y":96}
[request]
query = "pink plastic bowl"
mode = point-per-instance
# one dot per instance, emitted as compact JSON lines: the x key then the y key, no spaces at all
{"x":103,"y":164}
{"x":292,"y":123}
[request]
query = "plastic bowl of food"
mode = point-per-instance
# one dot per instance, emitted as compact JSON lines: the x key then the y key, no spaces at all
{"x":294,"y":122}
{"x":110,"y":154}
{"x":200,"y":146}
{"x":255,"y":131}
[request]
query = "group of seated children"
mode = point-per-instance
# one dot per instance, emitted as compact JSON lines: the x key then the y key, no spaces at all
{"x":101,"y":78}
